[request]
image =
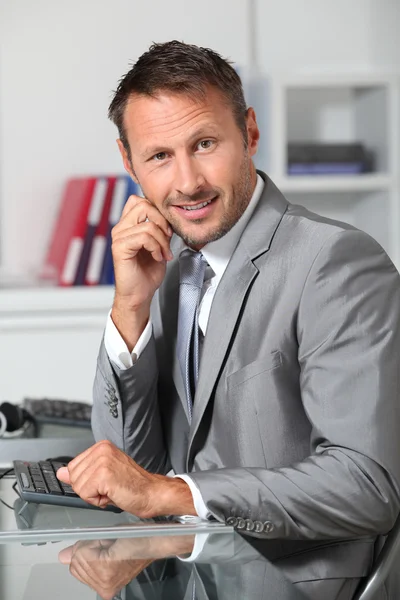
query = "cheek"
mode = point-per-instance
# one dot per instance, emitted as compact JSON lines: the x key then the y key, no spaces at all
{"x":221,"y":168}
{"x":155,"y":186}
{"x":228,"y":161}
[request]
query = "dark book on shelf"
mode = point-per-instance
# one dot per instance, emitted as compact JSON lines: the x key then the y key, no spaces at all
{"x":99,"y":243}
{"x":93,"y":219}
{"x":124,"y":188}
{"x":326,"y":158}
{"x":321,"y":168}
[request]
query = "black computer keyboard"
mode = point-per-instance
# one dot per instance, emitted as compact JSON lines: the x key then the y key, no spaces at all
{"x":37,"y":482}
{"x":59,"y":412}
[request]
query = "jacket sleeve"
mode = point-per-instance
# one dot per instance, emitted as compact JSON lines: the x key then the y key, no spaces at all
{"x":125,"y":409}
{"x":348,"y":330}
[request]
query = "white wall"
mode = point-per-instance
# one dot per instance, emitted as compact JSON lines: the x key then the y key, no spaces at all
{"x":59,"y":63}
{"x":328,"y":35}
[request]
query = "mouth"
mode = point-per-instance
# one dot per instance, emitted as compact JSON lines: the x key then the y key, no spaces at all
{"x":196,"y":211}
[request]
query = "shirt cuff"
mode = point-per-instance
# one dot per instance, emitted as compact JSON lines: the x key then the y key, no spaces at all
{"x":199,"y":543}
{"x":116,"y":348}
{"x":199,"y":505}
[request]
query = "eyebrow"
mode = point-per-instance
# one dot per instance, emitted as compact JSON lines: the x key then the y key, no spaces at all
{"x":199,"y":133}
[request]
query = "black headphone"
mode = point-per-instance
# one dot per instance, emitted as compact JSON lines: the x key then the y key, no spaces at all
{"x":14,"y":417}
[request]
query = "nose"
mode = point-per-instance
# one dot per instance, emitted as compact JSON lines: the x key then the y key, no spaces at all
{"x":188,"y":177}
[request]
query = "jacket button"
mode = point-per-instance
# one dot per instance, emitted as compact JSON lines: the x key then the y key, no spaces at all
{"x":268,"y":527}
{"x":249,"y":524}
{"x":258,"y":526}
{"x":241,"y":523}
{"x":232,"y":521}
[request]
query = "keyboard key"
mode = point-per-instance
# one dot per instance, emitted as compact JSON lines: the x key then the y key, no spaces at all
{"x":52,"y":482}
{"x":25,"y":481}
{"x":57,"y":465}
{"x":46,"y":466}
{"x":69,"y":492}
{"x":55,"y":491}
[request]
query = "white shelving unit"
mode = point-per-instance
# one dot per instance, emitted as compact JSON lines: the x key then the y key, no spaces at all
{"x":35,"y":308}
{"x":360,"y":108}
{"x":49,"y":340}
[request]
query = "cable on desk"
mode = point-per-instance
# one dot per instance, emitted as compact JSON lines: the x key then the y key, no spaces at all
{"x":2,"y":475}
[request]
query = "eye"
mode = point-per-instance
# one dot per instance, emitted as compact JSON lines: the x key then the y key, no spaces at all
{"x":205,"y":144}
{"x":159,"y":156}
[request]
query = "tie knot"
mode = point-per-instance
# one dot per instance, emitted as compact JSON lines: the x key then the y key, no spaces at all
{"x":192,"y":266}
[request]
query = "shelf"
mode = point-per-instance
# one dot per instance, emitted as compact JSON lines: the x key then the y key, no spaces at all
{"x":349,"y":80}
{"x":320,"y":183}
{"x":48,"y":307}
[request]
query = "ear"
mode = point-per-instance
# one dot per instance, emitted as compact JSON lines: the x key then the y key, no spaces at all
{"x":125,"y":159}
{"x":253,"y":133}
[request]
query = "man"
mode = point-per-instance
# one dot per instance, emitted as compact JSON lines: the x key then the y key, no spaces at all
{"x":289,"y":431}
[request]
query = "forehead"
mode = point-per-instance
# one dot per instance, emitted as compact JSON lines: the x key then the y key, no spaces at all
{"x":169,"y":115}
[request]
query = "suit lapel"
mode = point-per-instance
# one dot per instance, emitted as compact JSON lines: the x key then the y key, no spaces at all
{"x":231,"y":293}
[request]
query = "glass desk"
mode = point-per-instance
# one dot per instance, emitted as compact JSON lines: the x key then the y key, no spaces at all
{"x":63,"y":553}
{"x":50,"y":552}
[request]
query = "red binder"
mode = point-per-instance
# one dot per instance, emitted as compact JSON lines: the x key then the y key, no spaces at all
{"x":70,"y":223}
{"x":99,"y":242}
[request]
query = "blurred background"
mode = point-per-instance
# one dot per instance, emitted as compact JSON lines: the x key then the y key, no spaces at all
{"x":323,"y":76}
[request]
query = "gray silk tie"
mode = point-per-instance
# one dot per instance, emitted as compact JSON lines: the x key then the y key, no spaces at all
{"x":192,"y":267}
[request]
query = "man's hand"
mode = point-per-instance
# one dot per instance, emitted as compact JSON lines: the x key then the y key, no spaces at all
{"x":104,"y":475}
{"x":108,"y":565}
{"x":140,"y":248}
{"x":102,"y":565}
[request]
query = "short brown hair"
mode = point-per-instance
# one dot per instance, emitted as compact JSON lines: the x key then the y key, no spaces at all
{"x":181,"y":68}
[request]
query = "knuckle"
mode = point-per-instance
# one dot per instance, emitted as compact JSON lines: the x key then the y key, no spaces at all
{"x":153,"y":228}
{"x":104,"y":445}
{"x":114,"y":231}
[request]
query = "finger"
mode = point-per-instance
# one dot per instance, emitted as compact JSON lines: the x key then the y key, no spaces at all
{"x":135,"y":220}
{"x":143,"y":212}
{"x":90,"y":487}
{"x":83,"y":574}
{"x":79,"y":574}
{"x":88,"y":482}
{"x":132,"y":201}
{"x":65,"y":555}
{"x":63,"y":475}
{"x":87,"y":454}
{"x":147,"y":236}
{"x":85,"y":459}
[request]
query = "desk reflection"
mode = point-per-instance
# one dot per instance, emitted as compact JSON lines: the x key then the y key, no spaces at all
{"x":226,"y":568}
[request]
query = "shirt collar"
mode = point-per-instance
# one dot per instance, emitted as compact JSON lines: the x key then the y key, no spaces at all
{"x":219,"y":253}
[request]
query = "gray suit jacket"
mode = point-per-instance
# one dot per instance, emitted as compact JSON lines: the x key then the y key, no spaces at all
{"x":295,"y":430}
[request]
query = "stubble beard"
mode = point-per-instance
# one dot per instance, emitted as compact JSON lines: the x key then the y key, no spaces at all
{"x":234,"y":209}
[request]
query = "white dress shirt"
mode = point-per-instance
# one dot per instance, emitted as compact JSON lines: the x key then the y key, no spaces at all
{"x":218,"y":255}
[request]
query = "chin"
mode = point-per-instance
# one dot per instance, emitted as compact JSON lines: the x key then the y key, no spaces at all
{"x":201,"y":239}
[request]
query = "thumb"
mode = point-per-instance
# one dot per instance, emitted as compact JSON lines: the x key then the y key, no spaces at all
{"x":63,"y":475}
{"x":65,"y":555}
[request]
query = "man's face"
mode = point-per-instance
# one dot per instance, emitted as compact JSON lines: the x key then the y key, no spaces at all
{"x":191,"y":161}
